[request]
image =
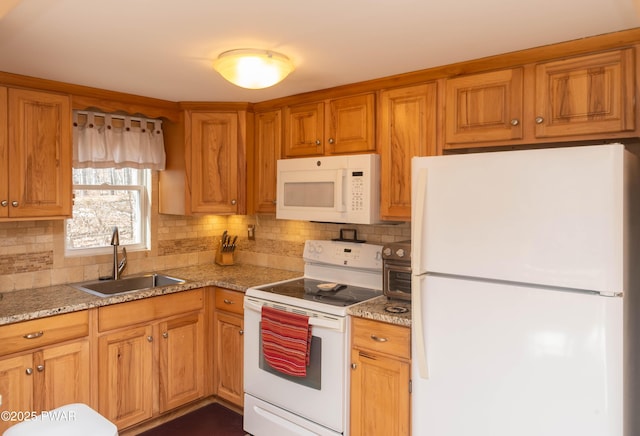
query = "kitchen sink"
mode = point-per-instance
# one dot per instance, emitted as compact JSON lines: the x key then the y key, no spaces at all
{"x":106,"y":288}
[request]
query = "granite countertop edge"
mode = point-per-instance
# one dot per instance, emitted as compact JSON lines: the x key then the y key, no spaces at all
{"x":29,"y":304}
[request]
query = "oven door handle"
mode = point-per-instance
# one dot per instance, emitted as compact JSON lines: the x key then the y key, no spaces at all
{"x":321,"y":321}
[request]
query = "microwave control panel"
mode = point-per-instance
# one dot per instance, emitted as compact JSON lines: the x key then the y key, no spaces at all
{"x":357,"y":191}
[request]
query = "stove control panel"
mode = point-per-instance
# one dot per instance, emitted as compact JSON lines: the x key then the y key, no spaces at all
{"x":339,"y":253}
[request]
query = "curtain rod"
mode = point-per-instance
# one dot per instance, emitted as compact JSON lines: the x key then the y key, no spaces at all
{"x":118,"y":116}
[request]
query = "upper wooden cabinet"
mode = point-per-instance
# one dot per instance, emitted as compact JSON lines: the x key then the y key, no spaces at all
{"x":35,"y":154}
{"x":574,"y":99}
{"x":337,"y":126}
{"x":407,"y":121}
{"x":213,"y":142}
{"x":484,"y":107}
{"x":586,"y":95}
{"x":206,"y":165}
{"x":266,"y":152}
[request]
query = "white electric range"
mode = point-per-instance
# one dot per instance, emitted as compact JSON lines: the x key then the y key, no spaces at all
{"x":337,"y":275}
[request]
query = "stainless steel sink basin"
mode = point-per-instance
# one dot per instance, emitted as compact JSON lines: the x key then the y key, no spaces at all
{"x":106,"y":288}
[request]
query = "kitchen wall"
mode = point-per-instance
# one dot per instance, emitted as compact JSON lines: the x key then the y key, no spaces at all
{"x":32,"y":252}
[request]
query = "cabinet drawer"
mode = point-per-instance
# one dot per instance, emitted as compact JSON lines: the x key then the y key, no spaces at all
{"x":148,"y":309}
{"x":229,"y":301}
{"x":29,"y":335}
{"x":381,"y":337}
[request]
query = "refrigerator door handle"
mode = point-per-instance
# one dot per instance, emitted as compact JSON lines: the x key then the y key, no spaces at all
{"x":418,"y":220}
{"x":417,"y":312}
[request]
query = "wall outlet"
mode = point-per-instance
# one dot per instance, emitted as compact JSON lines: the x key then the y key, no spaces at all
{"x":251,"y":232}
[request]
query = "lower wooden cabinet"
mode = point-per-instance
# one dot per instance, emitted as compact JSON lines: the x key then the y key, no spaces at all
{"x":125,"y":376}
{"x":380,"y":379}
{"x":47,"y":376}
{"x":150,"y":356}
{"x":229,"y":345}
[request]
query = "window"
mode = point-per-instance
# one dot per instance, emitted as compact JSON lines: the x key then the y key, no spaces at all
{"x":104,"y":198}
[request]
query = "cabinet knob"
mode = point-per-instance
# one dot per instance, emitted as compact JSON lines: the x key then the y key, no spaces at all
{"x":318,"y":142}
{"x":539,"y":120}
{"x":28,"y":371}
{"x":233,"y":202}
{"x":14,"y":203}
{"x":354,"y":365}
{"x":331,"y":141}
{"x":40,"y":368}
{"x":150,"y":338}
{"x":515,"y":122}
{"x":378,"y":338}
{"x":165,"y":335}
{"x":241,"y":332}
{"x":4,"y":203}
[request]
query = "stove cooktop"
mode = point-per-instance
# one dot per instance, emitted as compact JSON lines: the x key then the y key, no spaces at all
{"x":334,"y":294}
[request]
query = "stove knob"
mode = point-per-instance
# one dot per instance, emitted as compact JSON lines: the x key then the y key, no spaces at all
{"x":400,"y":252}
{"x":387,"y":251}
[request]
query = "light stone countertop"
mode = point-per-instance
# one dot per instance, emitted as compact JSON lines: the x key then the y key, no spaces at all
{"x":29,"y":304}
{"x":376,"y":309}
{"x":35,"y":303}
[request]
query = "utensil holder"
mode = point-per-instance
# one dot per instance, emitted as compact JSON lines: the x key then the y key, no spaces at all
{"x":224,"y":257}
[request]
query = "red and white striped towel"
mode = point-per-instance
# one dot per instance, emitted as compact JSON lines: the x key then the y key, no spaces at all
{"x":286,"y":341}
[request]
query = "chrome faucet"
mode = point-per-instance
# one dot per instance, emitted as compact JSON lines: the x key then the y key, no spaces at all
{"x":118,"y":267}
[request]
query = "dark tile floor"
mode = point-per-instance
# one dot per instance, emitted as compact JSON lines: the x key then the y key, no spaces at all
{"x":211,"y":420}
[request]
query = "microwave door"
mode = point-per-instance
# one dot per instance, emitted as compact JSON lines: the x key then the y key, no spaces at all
{"x":315,"y":195}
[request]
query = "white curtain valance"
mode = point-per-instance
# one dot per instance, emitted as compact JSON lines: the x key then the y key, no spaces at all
{"x":117,"y":141}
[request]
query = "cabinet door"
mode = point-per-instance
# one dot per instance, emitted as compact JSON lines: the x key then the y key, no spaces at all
{"x":4,"y":155}
{"x":213,"y":151}
{"x":351,"y":125}
{"x":181,"y":371}
{"x":62,"y":375}
{"x":484,"y":107}
{"x":229,"y":357}
{"x":125,"y":365}
{"x":585,"y":95}
{"x":268,"y":147}
{"x":39,"y":154}
{"x":380,"y":398}
{"x":304,"y":130}
{"x":16,"y":387}
{"x":407,"y":129}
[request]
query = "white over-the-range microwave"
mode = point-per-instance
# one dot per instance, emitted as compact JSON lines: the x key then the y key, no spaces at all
{"x":337,"y":189}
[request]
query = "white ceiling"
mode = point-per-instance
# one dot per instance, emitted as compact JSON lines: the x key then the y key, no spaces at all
{"x":164,"y":48}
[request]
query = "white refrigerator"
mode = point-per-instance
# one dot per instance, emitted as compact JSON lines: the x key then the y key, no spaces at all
{"x":522,"y":288}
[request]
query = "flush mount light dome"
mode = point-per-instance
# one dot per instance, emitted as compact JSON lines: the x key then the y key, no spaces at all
{"x":253,"y":68}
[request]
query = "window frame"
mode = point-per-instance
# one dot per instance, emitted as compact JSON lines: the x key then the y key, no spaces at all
{"x":144,"y":192}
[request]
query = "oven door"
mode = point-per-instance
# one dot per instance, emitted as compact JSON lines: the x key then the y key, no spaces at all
{"x":320,"y":397}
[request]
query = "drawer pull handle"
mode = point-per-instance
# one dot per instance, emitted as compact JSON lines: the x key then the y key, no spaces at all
{"x":33,"y":335}
{"x":227,"y":301}
{"x":378,"y":339}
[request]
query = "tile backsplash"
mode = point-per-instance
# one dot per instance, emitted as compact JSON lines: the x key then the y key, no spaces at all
{"x":32,"y":252}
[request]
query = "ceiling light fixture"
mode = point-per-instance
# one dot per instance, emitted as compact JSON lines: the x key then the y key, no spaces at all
{"x":253,"y":68}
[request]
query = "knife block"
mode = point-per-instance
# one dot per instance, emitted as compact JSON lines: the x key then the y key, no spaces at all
{"x":224,"y":257}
